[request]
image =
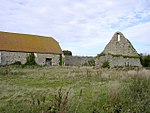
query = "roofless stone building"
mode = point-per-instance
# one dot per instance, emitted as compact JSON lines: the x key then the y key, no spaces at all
{"x":15,"y":47}
{"x":119,"y":52}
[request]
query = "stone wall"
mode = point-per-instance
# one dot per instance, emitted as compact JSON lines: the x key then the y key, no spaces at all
{"x":119,"y":52}
{"x":119,"y":45}
{"x":7,"y":58}
{"x":41,"y":58}
{"x":78,"y":60}
{"x":118,"y":61}
{"x":12,"y":57}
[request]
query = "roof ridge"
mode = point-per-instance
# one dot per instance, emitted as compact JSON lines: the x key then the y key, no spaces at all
{"x":26,"y":34}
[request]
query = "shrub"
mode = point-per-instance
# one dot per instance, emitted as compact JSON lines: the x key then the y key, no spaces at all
{"x":145,"y":60}
{"x":105,"y":64}
{"x":61,"y":60}
{"x":30,"y":59}
{"x":91,"y":62}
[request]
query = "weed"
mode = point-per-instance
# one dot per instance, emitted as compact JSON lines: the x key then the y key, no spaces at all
{"x":61,"y":101}
{"x":33,"y":89}
{"x":105,"y":64}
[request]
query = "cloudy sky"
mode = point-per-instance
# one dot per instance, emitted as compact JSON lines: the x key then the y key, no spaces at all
{"x":82,"y":26}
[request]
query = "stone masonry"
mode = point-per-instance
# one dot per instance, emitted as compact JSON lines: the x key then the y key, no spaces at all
{"x":12,"y":57}
{"x":78,"y":60}
{"x":119,"y":52}
{"x":118,"y":61}
{"x":119,"y":45}
{"x":41,"y":59}
{"x":7,"y":58}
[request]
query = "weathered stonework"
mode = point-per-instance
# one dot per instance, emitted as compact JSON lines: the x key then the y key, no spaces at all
{"x":118,"y":61}
{"x":12,"y":57}
{"x":119,"y":52}
{"x":41,"y":59}
{"x":16,"y":47}
{"x":119,"y":45}
{"x":8,"y":58}
{"x":77,"y":60}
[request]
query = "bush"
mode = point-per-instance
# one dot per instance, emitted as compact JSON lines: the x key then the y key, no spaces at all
{"x":30,"y":59}
{"x":105,"y":64}
{"x":91,"y":62}
{"x":145,"y":60}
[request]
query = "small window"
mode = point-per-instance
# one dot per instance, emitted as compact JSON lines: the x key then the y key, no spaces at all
{"x":48,"y":61}
{"x":118,"y":37}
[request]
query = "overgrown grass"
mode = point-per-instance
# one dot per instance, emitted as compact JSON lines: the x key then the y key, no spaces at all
{"x":34,"y":89}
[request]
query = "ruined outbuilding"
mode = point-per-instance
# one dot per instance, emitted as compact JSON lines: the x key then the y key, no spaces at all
{"x":119,"y":52}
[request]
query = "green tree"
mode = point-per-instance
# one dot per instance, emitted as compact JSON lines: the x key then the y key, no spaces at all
{"x":67,"y":52}
{"x":145,"y":60}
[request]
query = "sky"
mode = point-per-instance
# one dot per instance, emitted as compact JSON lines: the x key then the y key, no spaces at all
{"x":81,"y":26}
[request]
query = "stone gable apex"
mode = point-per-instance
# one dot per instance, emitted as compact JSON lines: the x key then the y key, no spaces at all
{"x":119,"y":45}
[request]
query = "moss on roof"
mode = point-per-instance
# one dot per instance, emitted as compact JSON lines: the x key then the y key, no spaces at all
{"x":28,"y":43}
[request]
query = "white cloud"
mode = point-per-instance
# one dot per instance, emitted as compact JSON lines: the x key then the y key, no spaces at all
{"x":140,"y":36}
{"x":78,"y":25}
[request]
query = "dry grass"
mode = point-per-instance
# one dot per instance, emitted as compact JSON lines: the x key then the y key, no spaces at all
{"x":33,"y":89}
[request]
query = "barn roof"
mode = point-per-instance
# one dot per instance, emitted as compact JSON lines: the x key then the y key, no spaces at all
{"x":28,"y":43}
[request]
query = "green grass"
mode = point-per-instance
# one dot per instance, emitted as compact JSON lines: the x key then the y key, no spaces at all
{"x":34,"y":89}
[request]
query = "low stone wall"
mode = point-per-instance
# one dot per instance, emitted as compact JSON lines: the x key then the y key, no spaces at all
{"x":118,"y":61}
{"x":79,"y":61}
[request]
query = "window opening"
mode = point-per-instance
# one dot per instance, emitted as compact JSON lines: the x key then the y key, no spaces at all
{"x":118,"y":37}
{"x":48,"y":61}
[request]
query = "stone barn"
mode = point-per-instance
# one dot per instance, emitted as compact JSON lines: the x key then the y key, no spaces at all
{"x":119,"y":52}
{"x":15,"y":47}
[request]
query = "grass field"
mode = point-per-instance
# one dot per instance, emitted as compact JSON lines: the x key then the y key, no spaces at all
{"x":35,"y":89}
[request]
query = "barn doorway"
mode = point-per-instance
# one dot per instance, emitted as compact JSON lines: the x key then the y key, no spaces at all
{"x":48,"y":61}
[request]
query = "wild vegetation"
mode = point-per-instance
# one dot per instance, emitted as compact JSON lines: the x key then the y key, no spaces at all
{"x":30,"y":59}
{"x":145,"y":60}
{"x":33,"y":89}
{"x":105,"y":64}
{"x":67,"y":53}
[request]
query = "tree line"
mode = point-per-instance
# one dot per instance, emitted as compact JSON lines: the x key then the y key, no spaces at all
{"x":145,"y":60}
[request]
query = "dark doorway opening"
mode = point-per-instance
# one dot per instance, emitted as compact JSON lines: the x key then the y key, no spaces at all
{"x":48,"y":61}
